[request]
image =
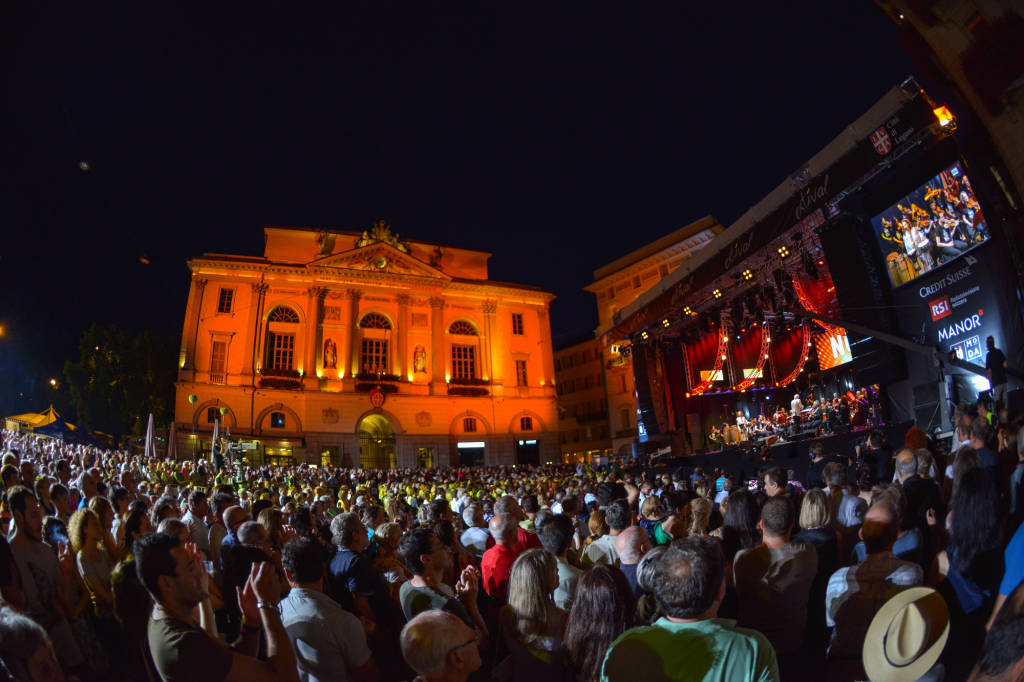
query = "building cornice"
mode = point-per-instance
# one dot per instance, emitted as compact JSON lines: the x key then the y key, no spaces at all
{"x":311,"y":275}
{"x":685,"y":247}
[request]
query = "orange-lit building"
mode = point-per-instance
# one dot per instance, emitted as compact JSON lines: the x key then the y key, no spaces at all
{"x":582,"y":403}
{"x":618,"y":284}
{"x":341,"y":348}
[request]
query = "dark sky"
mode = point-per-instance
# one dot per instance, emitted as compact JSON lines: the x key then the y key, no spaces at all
{"x":556,"y":137}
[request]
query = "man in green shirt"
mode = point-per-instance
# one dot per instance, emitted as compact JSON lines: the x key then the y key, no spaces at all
{"x":690,"y":642}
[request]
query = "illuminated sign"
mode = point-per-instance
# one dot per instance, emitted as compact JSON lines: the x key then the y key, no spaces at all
{"x":833,"y":350}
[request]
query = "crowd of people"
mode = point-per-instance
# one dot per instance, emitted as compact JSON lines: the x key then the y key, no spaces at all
{"x":899,"y":564}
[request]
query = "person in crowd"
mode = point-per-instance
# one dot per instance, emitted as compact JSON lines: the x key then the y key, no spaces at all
{"x":631,"y":544}
{"x":352,"y":581}
{"x":689,"y":641}
{"x":428,"y":560}
{"x":496,"y":564}
{"x":981,"y":434}
{"x":775,"y":480}
{"x":61,"y":501}
{"x":476,"y":536}
{"x":219,"y":503}
{"x":909,"y":544}
{"x":967,"y":573}
{"x":195,"y":518}
{"x":995,"y":366}
{"x":184,"y":648}
{"x":814,"y":477}
{"x":556,"y":537}
{"x":816,"y":525}
{"x":1002,"y":659}
{"x":531,"y":626}
{"x":601,"y":611}
{"x":95,"y":565}
{"x":855,"y":593}
{"x":773,"y":583}
{"x":922,"y":494}
{"x":647,"y":610}
{"x":25,"y":649}
{"x":876,"y":456}
{"x":508,"y":506}
{"x":440,"y":647}
{"x":329,"y":642}
{"x":740,"y":527}
{"x":132,"y":603}
{"x":46,"y":575}
{"x":386,"y":562}
{"x":652,"y":516}
{"x":602,"y":551}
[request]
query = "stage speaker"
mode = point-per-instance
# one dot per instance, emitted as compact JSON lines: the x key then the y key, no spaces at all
{"x":1015,"y":402}
{"x":862,"y":289}
{"x":644,"y":401}
{"x":927,"y":408}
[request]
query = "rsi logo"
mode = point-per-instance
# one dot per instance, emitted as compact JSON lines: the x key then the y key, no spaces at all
{"x":940,"y":308}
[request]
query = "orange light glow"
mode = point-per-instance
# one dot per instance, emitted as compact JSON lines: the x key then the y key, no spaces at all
{"x":944,"y":115}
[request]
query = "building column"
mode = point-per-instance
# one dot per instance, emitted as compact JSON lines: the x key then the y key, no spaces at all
{"x":353,"y":331}
{"x":195,"y":305}
{"x":310,"y":364}
{"x":486,"y":345}
{"x":252,"y":341}
{"x":402,"y":364}
{"x":547,"y":354}
{"x":438,"y":361}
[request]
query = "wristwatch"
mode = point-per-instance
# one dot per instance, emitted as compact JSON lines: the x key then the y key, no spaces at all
{"x":266,"y":605}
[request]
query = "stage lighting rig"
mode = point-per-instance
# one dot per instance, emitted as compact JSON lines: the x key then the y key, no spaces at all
{"x":717,"y":293}
{"x":747,"y":275}
{"x":783,"y":251}
{"x":809,"y":264}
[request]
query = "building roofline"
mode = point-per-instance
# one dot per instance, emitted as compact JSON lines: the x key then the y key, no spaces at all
{"x":357,"y":233}
{"x":657,"y":245}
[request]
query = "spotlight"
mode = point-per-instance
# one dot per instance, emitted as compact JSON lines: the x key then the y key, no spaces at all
{"x":687,"y":310}
{"x":748,"y":275}
{"x":783,"y":251}
{"x":665,"y":323}
{"x":644,"y":335}
{"x":717,"y":293}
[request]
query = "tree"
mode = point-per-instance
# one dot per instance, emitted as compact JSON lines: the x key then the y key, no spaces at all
{"x":119,"y":379}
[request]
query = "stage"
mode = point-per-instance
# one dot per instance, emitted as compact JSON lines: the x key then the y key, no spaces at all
{"x":790,"y":455}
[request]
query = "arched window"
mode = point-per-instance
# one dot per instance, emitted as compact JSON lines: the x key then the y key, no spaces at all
{"x":280,"y":348}
{"x":374,"y":321}
{"x":373,"y":350}
{"x":284,"y":314}
{"x":463,"y":328}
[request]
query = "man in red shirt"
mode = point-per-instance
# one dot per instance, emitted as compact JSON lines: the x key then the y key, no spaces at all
{"x":507,"y":506}
{"x":496,"y":564}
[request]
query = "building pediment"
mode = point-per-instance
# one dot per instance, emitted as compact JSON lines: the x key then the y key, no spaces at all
{"x":380,"y":258}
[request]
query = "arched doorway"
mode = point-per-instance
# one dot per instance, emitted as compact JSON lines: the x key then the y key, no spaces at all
{"x":376,"y":443}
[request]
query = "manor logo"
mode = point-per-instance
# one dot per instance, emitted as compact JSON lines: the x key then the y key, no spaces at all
{"x":967,"y":324}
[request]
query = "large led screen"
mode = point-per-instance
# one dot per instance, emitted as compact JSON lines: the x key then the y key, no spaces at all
{"x":833,"y":349}
{"x":933,"y":225}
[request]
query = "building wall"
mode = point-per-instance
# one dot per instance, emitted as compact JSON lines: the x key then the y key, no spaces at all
{"x":330,"y":285}
{"x":618,"y":284}
{"x":582,"y":403}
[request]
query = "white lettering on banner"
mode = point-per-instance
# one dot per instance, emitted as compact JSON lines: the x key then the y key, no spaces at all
{"x":961,"y":298}
{"x":939,"y":285}
{"x":812,"y":196}
{"x":956,"y":329}
{"x":840,"y":346}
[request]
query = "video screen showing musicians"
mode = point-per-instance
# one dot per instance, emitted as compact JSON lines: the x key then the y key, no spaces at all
{"x":934,"y":224}
{"x":809,"y":413}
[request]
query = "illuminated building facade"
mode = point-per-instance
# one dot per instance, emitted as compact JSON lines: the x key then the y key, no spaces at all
{"x":349,"y":349}
{"x":582,"y":403}
{"x":618,"y":284}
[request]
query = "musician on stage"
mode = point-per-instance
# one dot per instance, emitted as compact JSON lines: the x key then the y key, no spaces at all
{"x":743,"y":425}
{"x":796,"y":407}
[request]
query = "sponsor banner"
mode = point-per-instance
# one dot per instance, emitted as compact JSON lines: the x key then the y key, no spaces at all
{"x":955,"y":307}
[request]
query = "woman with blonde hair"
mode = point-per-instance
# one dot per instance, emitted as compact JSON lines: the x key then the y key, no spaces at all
{"x":531,"y":625}
{"x":816,"y":528}
{"x":596,"y":525}
{"x":96,"y":567}
{"x":700,"y":514}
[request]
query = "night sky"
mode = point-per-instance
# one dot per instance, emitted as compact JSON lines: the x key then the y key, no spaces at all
{"x":558,"y":138}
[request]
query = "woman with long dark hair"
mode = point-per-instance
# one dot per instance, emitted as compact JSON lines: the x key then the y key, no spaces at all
{"x":601,"y":611}
{"x":968,"y":571}
{"x":739,"y":524}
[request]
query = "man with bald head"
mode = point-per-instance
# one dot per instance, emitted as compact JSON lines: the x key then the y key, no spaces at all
{"x":631,"y":544}
{"x":496,"y":564}
{"x":440,"y":647}
{"x":507,"y":505}
{"x":855,"y":593}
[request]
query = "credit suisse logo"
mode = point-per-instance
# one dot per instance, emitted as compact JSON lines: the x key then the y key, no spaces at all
{"x":940,"y":308}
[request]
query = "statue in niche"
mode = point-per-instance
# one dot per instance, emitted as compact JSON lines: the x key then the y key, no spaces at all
{"x":419,"y":360}
{"x":330,"y":354}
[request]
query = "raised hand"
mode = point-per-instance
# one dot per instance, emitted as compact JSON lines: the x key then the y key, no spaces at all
{"x":265,"y":583}
{"x":288,"y":533}
{"x":247,"y":600}
{"x":468,"y":584}
{"x":66,"y":559}
{"x":196,"y":556}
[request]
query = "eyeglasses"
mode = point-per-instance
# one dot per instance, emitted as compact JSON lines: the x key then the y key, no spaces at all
{"x":475,"y":639}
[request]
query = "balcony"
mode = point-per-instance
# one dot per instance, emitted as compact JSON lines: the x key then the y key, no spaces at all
{"x":280,"y":378}
{"x":470,"y":388}
{"x":591,"y":417}
{"x":367,"y":381}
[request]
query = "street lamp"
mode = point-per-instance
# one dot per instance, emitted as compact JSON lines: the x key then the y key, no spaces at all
{"x":53,"y":383}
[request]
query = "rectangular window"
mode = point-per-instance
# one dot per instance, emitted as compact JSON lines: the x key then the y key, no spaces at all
{"x":282,"y":354}
{"x":469,"y":424}
{"x":637,"y":282}
{"x":526,"y":423}
{"x":225,"y":299}
{"x":517,"y":324}
{"x":463,"y":362}
{"x":211,"y":415}
{"x":218,"y":362}
{"x":374,"y":356}
{"x":521,"y":373}
{"x":624,"y":418}
{"x":622,"y":383}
